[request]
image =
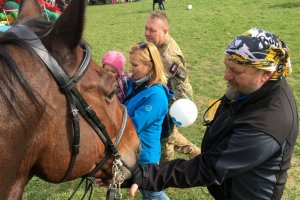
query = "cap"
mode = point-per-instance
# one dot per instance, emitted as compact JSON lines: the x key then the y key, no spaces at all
{"x":115,"y":59}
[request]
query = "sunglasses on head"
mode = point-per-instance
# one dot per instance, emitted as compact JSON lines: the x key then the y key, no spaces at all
{"x":144,"y":45}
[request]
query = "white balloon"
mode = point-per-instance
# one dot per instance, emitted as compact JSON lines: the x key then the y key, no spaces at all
{"x":184,"y":112}
{"x":190,"y":6}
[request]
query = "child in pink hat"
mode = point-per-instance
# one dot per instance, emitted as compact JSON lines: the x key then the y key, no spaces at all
{"x":114,"y":62}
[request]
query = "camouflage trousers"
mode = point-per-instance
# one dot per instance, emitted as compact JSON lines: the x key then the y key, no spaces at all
{"x":177,"y":142}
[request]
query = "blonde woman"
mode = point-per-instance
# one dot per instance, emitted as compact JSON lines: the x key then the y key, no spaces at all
{"x":147,"y":104}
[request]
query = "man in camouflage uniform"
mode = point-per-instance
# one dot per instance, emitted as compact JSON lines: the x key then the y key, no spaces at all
{"x":157,"y":32}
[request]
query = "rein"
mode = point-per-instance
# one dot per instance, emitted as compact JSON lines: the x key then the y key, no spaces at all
{"x":76,"y":101}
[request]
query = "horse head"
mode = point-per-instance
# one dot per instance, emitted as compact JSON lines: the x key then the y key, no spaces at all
{"x":43,"y":120}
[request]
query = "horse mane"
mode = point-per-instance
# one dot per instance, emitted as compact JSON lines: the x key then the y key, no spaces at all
{"x":12,"y":77}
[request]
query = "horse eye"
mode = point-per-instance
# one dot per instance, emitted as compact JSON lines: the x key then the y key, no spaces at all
{"x":111,"y":96}
{"x":111,"y":93}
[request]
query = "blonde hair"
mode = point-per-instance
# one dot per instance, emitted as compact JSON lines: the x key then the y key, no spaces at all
{"x":148,"y":53}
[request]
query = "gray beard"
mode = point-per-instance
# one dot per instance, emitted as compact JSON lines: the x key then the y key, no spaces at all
{"x":232,"y":95}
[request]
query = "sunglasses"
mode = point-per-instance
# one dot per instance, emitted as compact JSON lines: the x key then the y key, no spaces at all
{"x":144,"y":45}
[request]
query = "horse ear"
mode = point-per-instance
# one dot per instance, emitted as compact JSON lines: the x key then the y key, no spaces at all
{"x":68,"y":28}
{"x":29,"y":8}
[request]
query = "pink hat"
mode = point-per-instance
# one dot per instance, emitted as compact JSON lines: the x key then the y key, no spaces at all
{"x":115,"y":59}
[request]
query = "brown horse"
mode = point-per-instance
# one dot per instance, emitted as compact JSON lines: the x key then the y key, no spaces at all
{"x":36,"y":129}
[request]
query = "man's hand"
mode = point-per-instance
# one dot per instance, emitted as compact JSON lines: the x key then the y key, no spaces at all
{"x":133,"y":189}
{"x":135,"y":181}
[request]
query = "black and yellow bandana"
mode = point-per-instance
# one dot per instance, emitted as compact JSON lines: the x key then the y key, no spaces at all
{"x":261,"y":49}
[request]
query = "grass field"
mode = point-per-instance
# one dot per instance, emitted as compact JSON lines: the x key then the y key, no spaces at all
{"x":203,"y":34}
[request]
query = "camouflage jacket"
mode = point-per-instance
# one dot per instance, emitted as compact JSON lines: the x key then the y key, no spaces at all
{"x":175,"y":70}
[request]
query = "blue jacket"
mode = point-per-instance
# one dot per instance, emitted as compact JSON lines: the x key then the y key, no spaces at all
{"x":147,"y":110}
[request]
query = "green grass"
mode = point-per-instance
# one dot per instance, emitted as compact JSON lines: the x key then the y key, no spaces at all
{"x":203,"y":34}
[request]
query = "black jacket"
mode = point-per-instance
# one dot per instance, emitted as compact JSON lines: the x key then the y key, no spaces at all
{"x":246,"y":149}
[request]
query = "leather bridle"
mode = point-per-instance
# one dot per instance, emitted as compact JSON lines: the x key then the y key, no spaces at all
{"x":76,"y":101}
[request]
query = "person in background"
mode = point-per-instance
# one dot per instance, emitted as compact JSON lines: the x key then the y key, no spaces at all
{"x":247,"y":148}
{"x":157,"y":32}
{"x":160,"y":4}
{"x":147,"y":103}
{"x":114,"y":62}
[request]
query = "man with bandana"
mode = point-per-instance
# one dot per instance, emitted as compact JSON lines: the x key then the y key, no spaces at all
{"x":247,"y":147}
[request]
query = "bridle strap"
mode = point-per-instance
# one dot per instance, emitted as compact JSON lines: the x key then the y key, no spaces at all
{"x":76,"y":137}
{"x":75,"y":99}
{"x":107,"y":156}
